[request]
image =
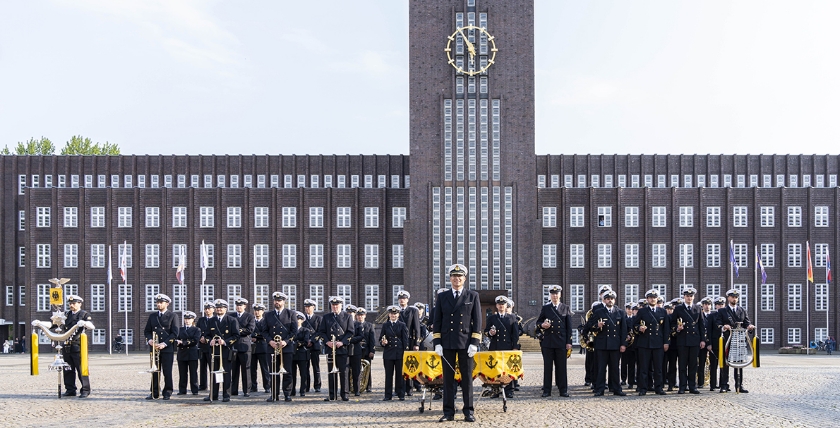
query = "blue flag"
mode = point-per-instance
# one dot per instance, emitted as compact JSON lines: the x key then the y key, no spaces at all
{"x":732,"y":257}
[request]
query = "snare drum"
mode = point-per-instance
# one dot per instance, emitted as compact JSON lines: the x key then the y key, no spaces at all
{"x":426,"y":367}
{"x":498,"y":367}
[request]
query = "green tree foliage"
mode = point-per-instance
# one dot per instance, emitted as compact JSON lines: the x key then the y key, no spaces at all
{"x":79,"y":145}
{"x":32,"y":147}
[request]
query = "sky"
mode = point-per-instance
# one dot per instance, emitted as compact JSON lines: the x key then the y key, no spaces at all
{"x":284,"y":77}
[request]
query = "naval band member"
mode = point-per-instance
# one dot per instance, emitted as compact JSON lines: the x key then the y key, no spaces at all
{"x":72,"y":347}
{"x":164,"y":323}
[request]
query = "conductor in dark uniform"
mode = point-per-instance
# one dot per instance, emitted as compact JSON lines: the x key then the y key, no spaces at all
{"x":652,"y":327}
{"x":281,"y":322}
{"x":690,"y":338}
{"x":393,"y":336}
{"x":503,"y":332}
{"x":222,"y":330}
{"x":729,"y":317}
{"x":341,"y":325}
{"x":554,"y":329}
{"x":164,"y":323}
{"x":241,"y":364}
{"x":72,"y":347}
{"x":457,"y":333}
{"x":607,"y":321}
{"x":188,"y":337}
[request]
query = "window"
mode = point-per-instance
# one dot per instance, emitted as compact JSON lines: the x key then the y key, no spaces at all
{"x":341,"y":181}
{"x":820,"y":334}
{"x":234,"y":217}
{"x":820,"y":179}
{"x":290,"y":290}
{"x":549,"y":256}
{"x":260,"y":181}
{"x":820,"y":254}
{"x":744,"y":301}
{"x":576,"y":217}
{"x":631,"y":216}
{"x":71,"y":216}
{"x":151,"y":291}
{"x":152,"y":216}
{"x":687,"y":255}
{"x":701,"y":181}
{"x":658,"y":258}
{"x":549,"y":216}
{"x":289,"y":217}
{"x":371,"y":256}
{"x":343,"y":217}
{"x":182,"y":181}
{"x":328,"y":181}
{"x":660,"y":181}
{"x":152,"y":256}
{"x":208,"y":181}
{"x":234,"y":256}
{"x":794,"y":181}
{"x":713,"y":290}
{"x":727,"y":180}
{"x":97,"y":297}
{"x":344,"y":292}
{"x":794,"y":297}
{"x":97,"y":216}
{"x":234,"y":181}
{"x":608,"y":180}
{"x":210,"y":249}
{"x":648,"y":180}
{"x":658,"y":217}
{"x":71,"y":256}
{"x":74,"y":181}
{"x":794,"y":255}
{"x":541,"y":181}
{"x":261,"y":217}
{"x":576,"y":257}
{"x":686,"y":181}
{"x":289,"y":256}
{"x":631,"y":255}
{"x":220,"y":181}
{"x":767,"y":219}
{"x":712,"y":216}
{"x":179,"y":216}
{"x":581,"y":179}
{"x":316,"y":217}
{"x":768,"y":255}
{"x":124,"y":217}
{"x":178,"y":251}
{"x":127,"y":335}
{"x":354,"y":181}
{"x":661,"y":289}
{"x":686,"y":216}
{"x":343,"y":253}
{"x":10,"y":295}
{"x":43,"y":297}
{"x":395,"y":181}
{"x":316,"y":256}
{"x":397,"y":256}
{"x":316,"y":293}
{"x":741,"y":181}
{"x":261,"y":256}
{"x":287,"y":181}
{"x":167,"y":181}
{"x":794,"y":216}
{"x":780,"y":180}
{"x":371,"y":217}
{"x":820,"y":297}
{"x":398,"y":217}
{"x":43,"y":216}
{"x":208,"y":293}
{"x":821,"y":216}
{"x":794,"y":335}
{"x":154,"y":179}
{"x":21,"y":256}
{"x":741,"y":256}
{"x":371,"y":297}
{"x":179,"y":298}
{"x":768,"y":336}
{"x":101,"y":181}
{"x":97,"y":255}
{"x":207,"y":216}
{"x":88,"y":181}
{"x":739,"y":216}
{"x":568,"y":181}
{"x":631,"y":293}
{"x":713,"y":180}
{"x":622,"y":181}
{"x":604,"y":216}
{"x":233,"y":291}
{"x":22,"y":220}
{"x":43,"y":260}
{"x":604,"y":255}
{"x":261,"y":294}
{"x":576,"y":297}
{"x":832,"y":180}
{"x":768,"y":297}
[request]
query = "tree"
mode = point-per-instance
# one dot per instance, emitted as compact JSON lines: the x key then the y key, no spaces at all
{"x":79,"y":145}
{"x":32,"y":147}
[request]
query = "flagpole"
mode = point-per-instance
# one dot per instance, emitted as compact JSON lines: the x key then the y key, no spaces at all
{"x":254,"y":265}
{"x":755,"y":296}
{"x":110,"y":312}
{"x":125,"y":282}
{"x":731,"y":265}
{"x":808,"y":300}
{"x":827,"y":294}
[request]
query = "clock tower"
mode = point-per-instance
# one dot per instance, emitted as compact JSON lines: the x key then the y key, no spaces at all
{"x":473,"y":190}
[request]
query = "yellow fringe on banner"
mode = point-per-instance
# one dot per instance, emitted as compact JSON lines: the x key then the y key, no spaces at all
{"x":721,"y":354}
{"x":756,"y":363}
{"x":33,"y":354}
{"x":84,"y":353}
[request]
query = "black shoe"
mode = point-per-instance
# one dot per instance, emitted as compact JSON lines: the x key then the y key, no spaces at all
{"x":587,"y":384}
{"x":181,"y":393}
{"x":402,"y":398}
{"x":70,"y":394}
{"x":206,"y":398}
{"x":469,"y":418}
{"x":694,"y":391}
{"x":202,"y":388}
{"x":408,"y":393}
{"x":564,"y":394}
{"x":681,"y":391}
{"x":317,"y":389}
{"x":246,"y":395}
{"x":357,"y":394}
{"x":225,"y":399}
{"x":446,"y":418}
{"x":712,"y":389}
{"x":723,"y":390}
{"x":387,"y":399}
{"x":546,"y":394}
{"x":509,"y":396}
{"x":165,"y":397}
{"x":254,"y":389}
{"x":642,"y":393}
{"x":148,"y":397}
{"x":84,"y":395}
{"x":195,"y":393}
{"x":302,"y":394}
{"x":329,"y":399}
{"x":620,"y":393}
{"x":269,"y":399}
{"x":599,"y":394}
{"x":516,"y":388}
{"x":437,"y":397}
{"x":344,"y":398}
{"x":670,"y":388}
{"x":287,"y":399}
{"x":660,"y":392}
{"x":742,"y":391}
{"x":367,"y":390}
{"x":623,"y":383}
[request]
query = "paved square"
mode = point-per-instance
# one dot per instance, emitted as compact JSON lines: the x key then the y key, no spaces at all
{"x":786,"y":391}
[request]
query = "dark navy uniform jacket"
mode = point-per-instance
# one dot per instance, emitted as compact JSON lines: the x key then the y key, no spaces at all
{"x":694,"y":327}
{"x":397,"y":334}
{"x":658,"y":325}
{"x":559,"y":334}
{"x":285,"y":326}
{"x":341,"y":325}
{"x":613,"y":335}
{"x":188,"y":349}
{"x":457,"y":323}
{"x":166,"y":327}
{"x":507,"y":332}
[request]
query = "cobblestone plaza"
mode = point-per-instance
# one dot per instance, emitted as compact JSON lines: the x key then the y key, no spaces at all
{"x":786,"y":391}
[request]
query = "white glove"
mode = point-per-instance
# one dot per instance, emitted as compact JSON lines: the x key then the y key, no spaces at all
{"x":472,"y":350}
{"x":81,"y":323}
{"x":439,"y":350}
{"x":89,"y":325}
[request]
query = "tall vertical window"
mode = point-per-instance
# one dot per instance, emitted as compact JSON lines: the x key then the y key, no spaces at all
{"x":631,"y":255}
{"x":768,"y":297}
{"x":767,"y":217}
{"x":549,"y":217}
{"x":22,"y":220}
{"x":687,"y":255}
{"x":343,"y":217}
{"x":97,"y":255}
{"x":71,"y":216}
{"x":71,"y":256}
{"x":549,"y":256}
{"x":631,"y":293}
{"x":261,"y":181}
{"x":234,"y":256}
{"x":179,"y":297}
{"x":344,"y":291}
{"x":10,"y":295}
{"x":568,"y":181}
{"x":686,"y":216}
{"x":207,"y":216}
{"x":576,"y":257}
{"x":604,"y":216}
{"x":97,"y":216}
{"x":741,"y":255}
{"x":289,"y":217}
{"x":97,"y":297}
{"x":234,"y":217}
{"x":290,"y":290}
{"x":794,"y":297}
{"x":43,"y":217}
{"x":233,"y":291}
{"x":316,"y":256}
{"x":316,"y":293}
{"x":820,"y":297}
{"x":151,"y":291}
{"x":604,"y":255}
{"x":179,"y":250}
{"x":658,"y":256}
{"x":576,"y":216}
{"x":631,"y":216}
{"x":713,"y":290}
{"x":220,"y":181}
{"x":794,"y":255}
{"x":208,"y":292}
{"x":661,"y":289}
{"x":44,"y":260}
{"x":261,"y":256}
{"x":21,"y":256}
{"x":744,"y":301}
{"x":794,"y":216}
{"x":659,"y":217}
{"x":316,"y":217}
{"x":397,"y":256}
{"x":182,"y":181}
{"x":234,"y":181}
{"x":371,"y":297}
{"x":261,"y":293}
{"x":152,"y":256}
{"x":261,"y":217}
{"x":179,"y":216}
{"x":371,"y":217}
{"x":712,"y":216}
{"x":124,"y":217}
{"x":727,"y":180}
{"x":768,"y":255}
{"x":576,"y":295}
{"x":398,"y":217}
{"x":821,"y":216}
{"x":343,"y":256}
{"x":152,"y":216}
{"x":289,"y":256}
{"x":43,"y":297}
{"x":739,"y":216}
{"x":820,"y":254}
{"x":371,"y":256}
{"x":211,"y":255}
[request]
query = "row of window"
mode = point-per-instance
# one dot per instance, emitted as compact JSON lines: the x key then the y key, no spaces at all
{"x":659,"y":216}
{"x":687,"y":180}
{"x":221,"y":180}
{"x":97,"y":301}
{"x":207,"y":217}
{"x":343,"y":255}
{"x":740,"y":253}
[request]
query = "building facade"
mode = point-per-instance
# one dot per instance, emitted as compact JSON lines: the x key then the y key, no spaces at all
{"x":365,"y":227}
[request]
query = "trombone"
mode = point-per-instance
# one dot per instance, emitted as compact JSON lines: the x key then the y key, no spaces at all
{"x":154,"y":366}
{"x":218,"y":376}
{"x":275,"y":371}
{"x":334,"y":370}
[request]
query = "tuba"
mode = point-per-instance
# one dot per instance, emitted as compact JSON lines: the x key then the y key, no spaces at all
{"x":364,"y":381}
{"x":738,"y":351}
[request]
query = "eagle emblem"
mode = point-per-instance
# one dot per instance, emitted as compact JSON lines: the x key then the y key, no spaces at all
{"x":515,"y":363}
{"x":411,"y":363}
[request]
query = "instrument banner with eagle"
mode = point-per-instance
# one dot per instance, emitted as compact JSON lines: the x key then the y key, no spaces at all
{"x":426,"y":367}
{"x":498,"y":367}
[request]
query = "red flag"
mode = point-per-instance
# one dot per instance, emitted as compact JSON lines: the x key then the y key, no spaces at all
{"x":810,"y":267}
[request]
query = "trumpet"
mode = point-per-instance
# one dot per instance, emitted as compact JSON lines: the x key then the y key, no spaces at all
{"x":216,"y":352}
{"x":154,"y":366}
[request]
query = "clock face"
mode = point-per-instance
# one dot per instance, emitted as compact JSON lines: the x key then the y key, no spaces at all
{"x":468,"y":56}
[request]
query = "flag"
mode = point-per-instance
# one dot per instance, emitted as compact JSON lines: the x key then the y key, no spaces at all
{"x":110,"y":273}
{"x":827,"y":266}
{"x":124,"y":262}
{"x":204,"y":262}
{"x":810,"y":267}
{"x":732,"y":257}
{"x":761,"y":268}
{"x":180,"y":272}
